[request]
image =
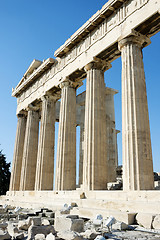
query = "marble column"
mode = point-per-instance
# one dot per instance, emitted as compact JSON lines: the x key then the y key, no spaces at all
{"x":81,"y":146}
{"x":30,"y":150}
{"x":66,"y":149}
{"x":111,"y":135}
{"x":136,"y":141}
{"x":95,"y":169}
{"x":45,"y":157}
{"x":18,"y":153}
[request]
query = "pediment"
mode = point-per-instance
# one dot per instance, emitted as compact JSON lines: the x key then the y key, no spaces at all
{"x":33,"y":66}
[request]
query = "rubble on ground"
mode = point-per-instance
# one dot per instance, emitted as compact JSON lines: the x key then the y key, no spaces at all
{"x":44,"y":223}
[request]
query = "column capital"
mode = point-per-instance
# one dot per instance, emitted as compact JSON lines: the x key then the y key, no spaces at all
{"x":49,"y":97}
{"x":134,"y":38}
{"x":69,"y":83}
{"x":22,"y":114}
{"x":32,"y":108}
{"x":98,"y":64}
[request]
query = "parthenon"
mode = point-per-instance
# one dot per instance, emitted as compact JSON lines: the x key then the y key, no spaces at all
{"x":47,"y":94}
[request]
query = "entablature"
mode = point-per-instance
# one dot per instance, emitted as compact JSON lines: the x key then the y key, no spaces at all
{"x":132,"y":17}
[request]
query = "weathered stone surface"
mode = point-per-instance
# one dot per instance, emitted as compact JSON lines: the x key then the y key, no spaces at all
{"x":50,"y":214}
{"x":100,"y":237}
{"x":114,"y":185}
{"x":62,"y":222}
{"x":65,"y":211}
{"x":95,"y":130}
{"x":73,"y":204}
{"x":18,"y":154}
{"x":33,"y":230}
{"x":69,"y":235}
{"x":12,"y":229}
{"x":90,"y":234}
{"x":40,"y":237}
{"x":36,"y":221}
{"x":66,"y":153}
{"x":4,"y":235}
{"x":145,"y":220}
{"x":22,"y":216}
{"x":72,"y":216}
{"x":50,"y":237}
{"x":51,"y":221}
{"x":2,"y":210}
{"x":45,"y":163}
{"x":137,"y":165}
{"x":45,"y":222}
{"x":3,"y":225}
{"x":120,"y":226}
{"x":109,"y":222}
{"x":156,"y":222}
{"x":27,"y":181}
{"x":23,"y":225}
{"x":19,"y":235}
{"x":17,"y":209}
{"x":98,"y":220}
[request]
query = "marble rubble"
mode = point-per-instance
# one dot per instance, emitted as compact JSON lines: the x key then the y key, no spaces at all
{"x":62,"y":229}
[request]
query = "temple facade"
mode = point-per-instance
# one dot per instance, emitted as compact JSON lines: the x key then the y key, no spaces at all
{"x":47,"y":93}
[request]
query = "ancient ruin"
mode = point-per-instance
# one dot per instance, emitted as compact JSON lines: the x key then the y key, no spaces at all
{"x":120,"y":28}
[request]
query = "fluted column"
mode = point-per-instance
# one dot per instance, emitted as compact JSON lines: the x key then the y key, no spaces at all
{"x":18,"y":153}
{"x":95,"y":170}
{"x":66,"y":150}
{"x":81,"y":146}
{"x":45,"y":157}
{"x":111,"y":135}
{"x":136,"y":141}
{"x":30,"y":150}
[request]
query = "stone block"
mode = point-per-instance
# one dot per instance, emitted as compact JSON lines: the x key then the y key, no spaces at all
{"x":50,"y":237}
{"x":17,"y":209}
{"x":2,"y":210}
{"x":97,"y":222}
{"x":90,"y":234}
{"x":99,"y":237}
{"x":18,"y":235}
{"x":33,"y":230}
{"x":156,"y":222}
{"x":12,"y":229}
{"x":12,"y":215}
{"x":39,"y":237}
{"x":114,"y":185}
{"x":4,"y":235}
{"x":22,"y":216}
{"x":36,"y":221}
{"x":145,"y":219}
{"x":69,"y":235}
{"x":50,"y":214}
{"x":109,"y":222}
{"x":119,"y":226}
{"x":23,"y":225}
{"x":62,"y":222}
{"x":45,"y":222}
{"x":3,"y":225}
{"x":73,"y":204}
{"x":72,"y":216}
{"x":65,"y":211}
{"x":51,"y":221}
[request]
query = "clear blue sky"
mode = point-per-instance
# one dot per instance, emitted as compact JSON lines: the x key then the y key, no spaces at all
{"x":34,"y":30}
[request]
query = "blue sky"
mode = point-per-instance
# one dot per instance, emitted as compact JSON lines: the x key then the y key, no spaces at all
{"x":34,"y":30}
